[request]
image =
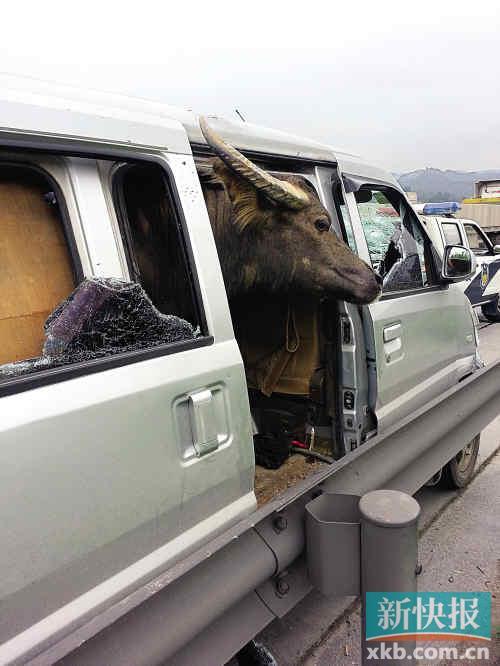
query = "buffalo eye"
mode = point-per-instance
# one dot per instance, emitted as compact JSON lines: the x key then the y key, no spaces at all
{"x":322,"y":224}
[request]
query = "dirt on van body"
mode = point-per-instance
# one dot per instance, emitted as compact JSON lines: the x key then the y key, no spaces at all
{"x":270,"y":483}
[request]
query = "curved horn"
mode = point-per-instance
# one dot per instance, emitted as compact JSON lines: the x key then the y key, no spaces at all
{"x":280,"y":191}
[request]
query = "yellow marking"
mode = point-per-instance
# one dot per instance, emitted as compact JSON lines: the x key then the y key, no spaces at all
{"x":493,"y":200}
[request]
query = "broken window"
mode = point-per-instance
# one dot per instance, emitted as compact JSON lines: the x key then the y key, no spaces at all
{"x":398,"y":248}
{"x":101,"y":317}
{"x":49,"y":315}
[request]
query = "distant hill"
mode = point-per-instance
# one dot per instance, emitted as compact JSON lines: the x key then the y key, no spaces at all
{"x":436,"y":185}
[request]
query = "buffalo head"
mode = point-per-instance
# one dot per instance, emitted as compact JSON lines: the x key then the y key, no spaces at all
{"x":275,"y":235}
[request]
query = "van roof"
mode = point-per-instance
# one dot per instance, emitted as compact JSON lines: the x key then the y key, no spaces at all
{"x":31,"y":106}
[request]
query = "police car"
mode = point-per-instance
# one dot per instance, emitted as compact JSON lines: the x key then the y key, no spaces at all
{"x":446,"y":229}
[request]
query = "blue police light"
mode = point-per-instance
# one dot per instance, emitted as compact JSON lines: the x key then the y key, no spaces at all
{"x":441,"y":208}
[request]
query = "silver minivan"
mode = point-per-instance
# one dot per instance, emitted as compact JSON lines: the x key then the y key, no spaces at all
{"x":127,"y":424}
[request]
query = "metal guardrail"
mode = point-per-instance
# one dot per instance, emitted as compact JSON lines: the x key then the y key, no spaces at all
{"x":202,"y":610}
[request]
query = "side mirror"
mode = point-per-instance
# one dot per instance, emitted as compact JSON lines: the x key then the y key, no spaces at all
{"x":458,"y":263}
{"x":363,"y":195}
{"x":496,"y":249}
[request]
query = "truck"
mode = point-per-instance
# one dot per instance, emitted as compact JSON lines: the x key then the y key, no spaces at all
{"x":132,"y":513}
{"x":484,"y":207}
{"x":445,"y":226}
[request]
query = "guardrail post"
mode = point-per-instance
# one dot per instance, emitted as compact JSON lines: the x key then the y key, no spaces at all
{"x":389,"y":551}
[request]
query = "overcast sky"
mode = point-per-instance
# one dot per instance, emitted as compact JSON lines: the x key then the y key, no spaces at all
{"x":404,"y":84}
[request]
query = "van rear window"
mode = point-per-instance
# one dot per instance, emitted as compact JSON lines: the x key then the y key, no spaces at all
{"x":151,"y":230}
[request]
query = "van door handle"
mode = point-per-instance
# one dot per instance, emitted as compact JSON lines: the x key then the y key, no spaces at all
{"x":392,"y":332}
{"x":203,"y":423}
{"x":393,"y":342}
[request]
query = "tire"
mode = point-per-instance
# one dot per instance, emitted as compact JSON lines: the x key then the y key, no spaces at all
{"x":435,"y":480}
{"x":255,"y":654}
{"x":492,"y":313}
{"x":460,"y":470}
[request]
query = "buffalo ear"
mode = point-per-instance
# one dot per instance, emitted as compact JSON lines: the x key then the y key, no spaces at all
{"x":233,"y":183}
{"x":249,"y":207}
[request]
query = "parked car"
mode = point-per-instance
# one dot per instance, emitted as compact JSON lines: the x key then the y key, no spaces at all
{"x":126,"y":422}
{"x":446,"y":228}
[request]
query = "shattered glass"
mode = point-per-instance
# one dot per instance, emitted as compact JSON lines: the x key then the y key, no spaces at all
{"x":394,"y":251}
{"x":102,"y":317}
{"x":379,"y":225}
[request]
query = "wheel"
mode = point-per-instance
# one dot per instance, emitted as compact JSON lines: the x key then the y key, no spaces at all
{"x":255,"y":654}
{"x":435,"y":480}
{"x":458,"y":472}
{"x":492,"y":311}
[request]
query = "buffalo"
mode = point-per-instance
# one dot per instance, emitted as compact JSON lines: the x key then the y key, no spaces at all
{"x":273,"y":234}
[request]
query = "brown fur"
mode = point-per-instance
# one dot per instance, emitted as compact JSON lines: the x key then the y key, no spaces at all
{"x":267,"y":247}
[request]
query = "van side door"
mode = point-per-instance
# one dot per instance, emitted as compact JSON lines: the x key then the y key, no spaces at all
{"x":419,"y":335}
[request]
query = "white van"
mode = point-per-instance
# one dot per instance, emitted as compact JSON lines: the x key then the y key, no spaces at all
{"x":130,"y":449}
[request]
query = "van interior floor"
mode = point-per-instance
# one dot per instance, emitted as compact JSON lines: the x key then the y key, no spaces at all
{"x":271,"y":483}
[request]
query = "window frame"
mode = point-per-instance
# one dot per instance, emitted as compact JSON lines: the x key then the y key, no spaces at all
{"x":40,"y":378}
{"x":69,"y":236}
{"x":356,"y":184}
{"x":339,"y":200}
{"x":480,"y":232}
{"x":443,"y":234}
{"x":118,"y":174}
